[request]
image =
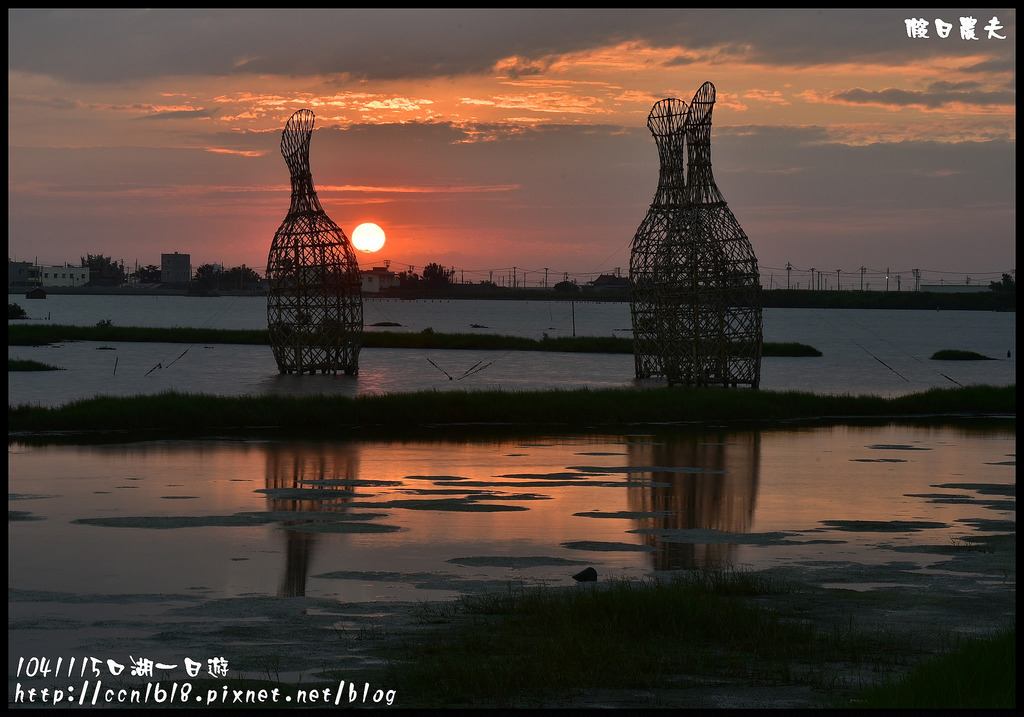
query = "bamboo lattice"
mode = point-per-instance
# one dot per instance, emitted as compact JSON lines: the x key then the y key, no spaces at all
{"x":314,"y":303}
{"x":694,"y":281}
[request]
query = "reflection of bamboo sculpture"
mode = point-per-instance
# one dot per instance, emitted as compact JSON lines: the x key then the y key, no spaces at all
{"x":694,"y":298}
{"x":719,"y":494}
{"x":314,"y":304}
{"x":302,"y":468}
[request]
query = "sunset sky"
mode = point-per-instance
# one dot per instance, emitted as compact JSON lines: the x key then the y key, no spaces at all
{"x":490,"y":139}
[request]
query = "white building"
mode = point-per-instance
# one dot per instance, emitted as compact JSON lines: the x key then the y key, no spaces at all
{"x":66,"y":275}
{"x":379,"y":278}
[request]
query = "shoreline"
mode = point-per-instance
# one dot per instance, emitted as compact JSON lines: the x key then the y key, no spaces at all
{"x":770,"y":299}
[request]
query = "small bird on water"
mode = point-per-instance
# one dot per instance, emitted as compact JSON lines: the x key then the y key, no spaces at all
{"x":586,"y":576}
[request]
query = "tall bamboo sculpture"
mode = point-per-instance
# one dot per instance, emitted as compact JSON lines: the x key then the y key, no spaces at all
{"x":667,"y":122}
{"x":314,"y":304}
{"x":695,"y":297}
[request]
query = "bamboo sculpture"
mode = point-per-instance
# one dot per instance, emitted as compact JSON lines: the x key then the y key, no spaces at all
{"x":694,"y":282}
{"x":314,"y":304}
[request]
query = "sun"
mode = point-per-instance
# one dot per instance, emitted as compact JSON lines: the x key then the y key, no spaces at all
{"x":368,"y":237}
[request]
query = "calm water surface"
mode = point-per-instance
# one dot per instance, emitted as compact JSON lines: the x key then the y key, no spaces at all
{"x":116,"y":546}
{"x":865,"y":351}
{"x":377,"y":520}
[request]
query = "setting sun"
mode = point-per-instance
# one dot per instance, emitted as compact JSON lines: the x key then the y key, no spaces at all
{"x":368,"y":237}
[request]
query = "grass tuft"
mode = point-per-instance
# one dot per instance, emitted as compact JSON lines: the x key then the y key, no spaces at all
{"x":425,"y":411}
{"x":622,"y":633}
{"x":30,"y":365}
{"x":977,"y":674}
{"x":955,"y":355}
{"x":38,"y":334}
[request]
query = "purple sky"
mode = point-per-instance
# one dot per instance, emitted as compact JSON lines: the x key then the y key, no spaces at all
{"x":490,"y":139}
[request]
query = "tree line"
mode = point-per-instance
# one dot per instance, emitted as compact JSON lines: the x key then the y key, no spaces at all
{"x":104,"y":271}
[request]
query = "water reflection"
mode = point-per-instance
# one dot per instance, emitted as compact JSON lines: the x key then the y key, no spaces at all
{"x":369,"y":520}
{"x":304,"y":479}
{"x":699,"y":482}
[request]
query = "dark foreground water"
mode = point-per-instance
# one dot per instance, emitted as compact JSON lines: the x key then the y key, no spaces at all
{"x":268,"y":553}
{"x":118,"y":550}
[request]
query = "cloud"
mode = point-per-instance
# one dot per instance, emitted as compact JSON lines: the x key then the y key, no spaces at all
{"x":937,"y":96}
{"x":179,"y":114}
{"x":104,"y":46}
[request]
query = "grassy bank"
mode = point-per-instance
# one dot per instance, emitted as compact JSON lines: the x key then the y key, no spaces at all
{"x":519,"y":647}
{"x":29,"y":365}
{"x":978,"y":674}
{"x":521,"y":411}
{"x":529,"y":647}
{"x":40,"y":334}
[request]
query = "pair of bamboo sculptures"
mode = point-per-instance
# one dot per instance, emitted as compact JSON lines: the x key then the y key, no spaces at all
{"x":694,"y":288}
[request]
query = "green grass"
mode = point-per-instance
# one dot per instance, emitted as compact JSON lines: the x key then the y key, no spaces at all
{"x":526,"y":647}
{"x":40,"y":334}
{"x":30,"y":365}
{"x":523,"y":644}
{"x":521,"y":411}
{"x":465,"y":410}
{"x":955,"y":355}
{"x":978,"y":674}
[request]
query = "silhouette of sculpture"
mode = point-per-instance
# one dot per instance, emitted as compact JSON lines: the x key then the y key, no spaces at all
{"x":694,"y":281}
{"x":314,"y":303}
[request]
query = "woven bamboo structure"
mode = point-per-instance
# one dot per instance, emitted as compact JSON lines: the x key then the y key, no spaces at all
{"x":314,"y":304}
{"x":695,"y":290}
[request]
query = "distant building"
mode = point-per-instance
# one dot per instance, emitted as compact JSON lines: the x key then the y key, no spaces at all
{"x":175,"y":269}
{"x":66,"y":275}
{"x":23,"y":274}
{"x":379,"y":278}
{"x":607,"y":282}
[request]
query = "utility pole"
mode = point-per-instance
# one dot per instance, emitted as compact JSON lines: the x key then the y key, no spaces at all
{"x":837,"y":280}
{"x":862,"y":270}
{"x":545,"y":277}
{"x":917,"y":279}
{"x":886,"y":278}
{"x":811,"y":284}
{"x":789,"y":268}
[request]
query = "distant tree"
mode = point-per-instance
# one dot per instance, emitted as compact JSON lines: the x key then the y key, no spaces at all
{"x":437,"y":277}
{"x":149,"y":274}
{"x":408,"y":279}
{"x":567,"y":287}
{"x":1007,"y":284}
{"x":239,"y":277}
{"x":103,"y":271}
{"x":207,"y":276}
{"x":210,"y":277}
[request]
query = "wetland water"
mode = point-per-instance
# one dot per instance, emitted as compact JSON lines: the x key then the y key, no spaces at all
{"x":165,"y":547}
{"x":257,"y":549}
{"x":882,"y":352}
